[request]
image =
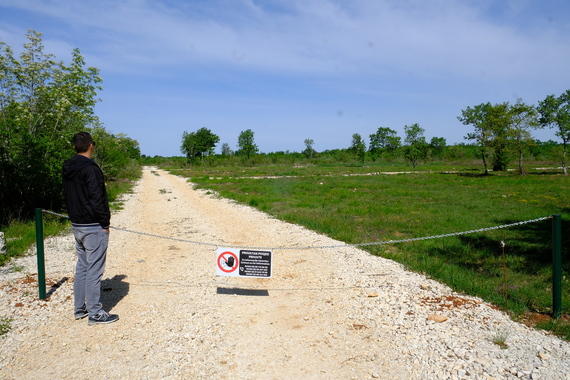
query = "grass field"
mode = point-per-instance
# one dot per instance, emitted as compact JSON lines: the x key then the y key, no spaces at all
{"x":362,"y":204}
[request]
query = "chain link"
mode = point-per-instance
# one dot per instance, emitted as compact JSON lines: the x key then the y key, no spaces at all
{"x":322,"y":246}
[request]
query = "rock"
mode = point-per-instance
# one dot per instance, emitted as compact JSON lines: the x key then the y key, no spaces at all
{"x":3,"y":247}
{"x":437,"y":318}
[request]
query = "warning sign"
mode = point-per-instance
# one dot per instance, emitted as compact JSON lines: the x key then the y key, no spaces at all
{"x":251,"y":263}
{"x":227,"y":262}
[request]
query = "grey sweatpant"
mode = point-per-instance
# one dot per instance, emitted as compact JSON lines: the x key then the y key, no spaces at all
{"x":91,"y":243}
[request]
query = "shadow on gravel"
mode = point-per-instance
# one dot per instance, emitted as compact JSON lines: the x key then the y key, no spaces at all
{"x":56,"y":286}
{"x":113,"y":290}
{"x":243,"y":292}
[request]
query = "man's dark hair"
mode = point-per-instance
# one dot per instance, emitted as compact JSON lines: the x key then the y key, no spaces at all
{"x":81,"y":142}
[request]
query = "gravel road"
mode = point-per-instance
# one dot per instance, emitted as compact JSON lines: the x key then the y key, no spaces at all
{"x":326,"y":313}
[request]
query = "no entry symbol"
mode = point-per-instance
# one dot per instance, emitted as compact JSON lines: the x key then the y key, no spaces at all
{"x":227,"y":262}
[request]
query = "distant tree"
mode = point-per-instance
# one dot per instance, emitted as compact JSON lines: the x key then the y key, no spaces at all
{"x":500,"y":123}
{"x":226,"y":150}
{"x":476,"y":117}
{"x":502,"y":129}
{"x":379,"y":140}
{"x":437,"y":146}
{"x":416,"y":147}
{"x":523,"y":118}
{"x":198,"y":144}
{"x":555,"y":113}
{"x":358,"y":147}
{"x":492,"y":126}
{"x":384,"y":142}
{"x":246,"y":144}
{"x":309,"y":152}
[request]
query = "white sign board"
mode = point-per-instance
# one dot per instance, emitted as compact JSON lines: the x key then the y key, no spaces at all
{"x":243,"y":262}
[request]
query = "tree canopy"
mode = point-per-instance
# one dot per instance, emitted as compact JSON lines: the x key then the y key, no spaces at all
{"x":491,"y":123}
{"x":416,"y":147}
{"x":555,"y":113}
{"x":309,"y":152}
{"x":43,"y":103}
{"x":501,"y":130}
{"x":358,"y":147}
{"x":198,"y":144}
{"x":246,"y":144}
{"x":385,"y":140}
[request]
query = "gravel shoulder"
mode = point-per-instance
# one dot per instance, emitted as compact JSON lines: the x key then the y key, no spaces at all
{"x":326,"y":313}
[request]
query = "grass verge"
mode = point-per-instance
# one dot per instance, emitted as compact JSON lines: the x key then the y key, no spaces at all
{"x":21,"y":235}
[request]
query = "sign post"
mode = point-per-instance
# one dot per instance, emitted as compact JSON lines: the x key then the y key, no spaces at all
{"x":40,"y":253}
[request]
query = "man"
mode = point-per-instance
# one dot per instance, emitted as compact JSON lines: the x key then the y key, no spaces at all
{"x":88,"y":207}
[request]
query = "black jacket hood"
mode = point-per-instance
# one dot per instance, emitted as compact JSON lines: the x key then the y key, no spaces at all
{"x":72,"y":166}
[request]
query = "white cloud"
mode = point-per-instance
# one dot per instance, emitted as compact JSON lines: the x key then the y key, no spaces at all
{"x":439,"y":38}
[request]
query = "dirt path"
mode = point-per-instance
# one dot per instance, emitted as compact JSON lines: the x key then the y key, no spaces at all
{"x":179,"y":320}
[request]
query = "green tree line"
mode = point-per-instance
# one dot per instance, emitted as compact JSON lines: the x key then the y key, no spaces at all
{"x":502,"y":134}
{"x":43,"y":103}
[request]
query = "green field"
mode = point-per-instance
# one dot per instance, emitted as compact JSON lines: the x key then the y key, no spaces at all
{"x":363,"y":204}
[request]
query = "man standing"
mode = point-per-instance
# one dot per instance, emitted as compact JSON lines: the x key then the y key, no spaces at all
{"x":88,"y":207}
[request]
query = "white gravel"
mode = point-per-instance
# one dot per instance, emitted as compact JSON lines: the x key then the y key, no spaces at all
{"x":325,"y":313}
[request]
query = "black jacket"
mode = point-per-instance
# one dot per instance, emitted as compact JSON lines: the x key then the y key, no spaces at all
{"x":85,"y":192}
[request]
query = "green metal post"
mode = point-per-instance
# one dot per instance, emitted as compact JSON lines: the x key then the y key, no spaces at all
{"x":556,"y":266}
{"x":40,"y":253}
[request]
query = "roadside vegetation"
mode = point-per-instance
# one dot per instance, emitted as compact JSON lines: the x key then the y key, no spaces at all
{"x":43,"y":103}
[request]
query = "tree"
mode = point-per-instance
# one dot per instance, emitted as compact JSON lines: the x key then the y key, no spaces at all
{"x":246,"y":144}
{"x":384,"y":141}
{"x":416,"y":147}
{"x":437,"y":146}
{"x":523,"y":118}
{"x":499,"y":121}
{"x":555,"y":113}
{"x":309,"y":152}
{"x":502,"y":129}
{"x":198,"y":144}
{"x":476,"y":117}
{"x":492,"y":123}
{"x":43,"y":103}
{"x":226,"y":150}
{"x":358,"y":147}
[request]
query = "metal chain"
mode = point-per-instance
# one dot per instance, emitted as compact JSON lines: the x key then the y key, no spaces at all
{"x":55,"y":213}
{"x":323,"y":246}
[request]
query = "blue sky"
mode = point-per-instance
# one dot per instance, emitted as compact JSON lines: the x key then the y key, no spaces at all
{"x":296,"y":69}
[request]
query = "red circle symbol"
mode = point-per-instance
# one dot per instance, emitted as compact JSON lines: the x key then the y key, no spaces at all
{"x":224,"y":262}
